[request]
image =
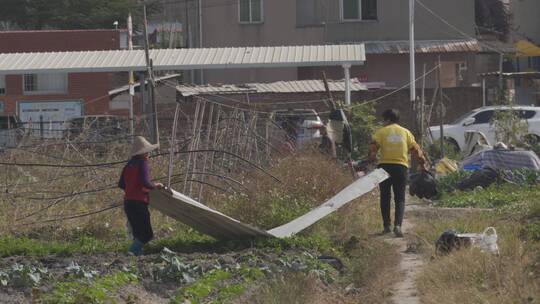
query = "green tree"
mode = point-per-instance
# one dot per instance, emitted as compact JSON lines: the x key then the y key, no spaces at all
{"x":72,"y":14}
{"x":363,"y":124}
{"x":493,"y":16}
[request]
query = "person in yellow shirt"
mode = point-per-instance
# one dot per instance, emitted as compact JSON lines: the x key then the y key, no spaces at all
{"x":394,"y":143}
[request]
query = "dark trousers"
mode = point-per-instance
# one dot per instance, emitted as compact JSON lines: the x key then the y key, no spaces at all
{"x":398,"y":182}
{"x":139,"y":220}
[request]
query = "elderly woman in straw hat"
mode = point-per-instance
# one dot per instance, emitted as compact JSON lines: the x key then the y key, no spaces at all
{"x":135,"y":181}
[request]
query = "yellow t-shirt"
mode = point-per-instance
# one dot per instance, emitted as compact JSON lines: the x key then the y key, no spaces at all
{"x":394,"y":143}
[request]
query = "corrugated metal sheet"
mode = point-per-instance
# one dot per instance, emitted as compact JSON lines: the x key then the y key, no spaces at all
{"x":200,"y":217}
{"x":221,"y":226}
{"x":299,"y":86}
{"x":360,"y":187}
{"x":182,"y":59}
{"x":422,"y":46}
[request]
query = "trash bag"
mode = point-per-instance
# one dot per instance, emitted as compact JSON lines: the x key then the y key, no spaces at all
{"x":486,"y":241}
{"x":448,"y":241}
{"x":423,"y":184}
{"x":483,"y":178}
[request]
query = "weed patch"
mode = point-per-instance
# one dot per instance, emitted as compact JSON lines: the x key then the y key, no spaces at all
{"x":99,"y":290}
{"x":10,"y":246}
{"x":493,"y":196}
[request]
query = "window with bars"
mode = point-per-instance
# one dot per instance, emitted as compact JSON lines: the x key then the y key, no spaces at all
{"x":250,"y":11}
{"x":45,"y":83}
{"x":2,"y":85}
{"x":358,"y":10}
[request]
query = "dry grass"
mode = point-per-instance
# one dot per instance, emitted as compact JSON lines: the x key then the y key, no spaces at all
{"x":307,"y":180}
{"x":297,"y":289}
{"x":471,"y":276}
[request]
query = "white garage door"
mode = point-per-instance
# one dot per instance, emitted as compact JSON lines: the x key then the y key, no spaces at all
{"x":48,"y":117}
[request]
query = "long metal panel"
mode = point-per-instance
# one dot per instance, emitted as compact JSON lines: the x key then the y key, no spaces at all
{"x":298,"y":86}
{"x":422,"y":46}
{"x":201,"y":217}
{"x":360,"y":187}
{"x":221,"y":226}
{"x":182,"y":59}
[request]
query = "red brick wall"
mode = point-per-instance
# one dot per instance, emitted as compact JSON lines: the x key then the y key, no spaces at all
{"x":58,"y":41}
{"x":91,"y":88}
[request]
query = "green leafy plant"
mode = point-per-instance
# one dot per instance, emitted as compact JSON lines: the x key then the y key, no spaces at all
{"x":218,"y":282}
{"x":363,"y":124}
{"x":451,"y":151}
{"x":509,"y":127}
{"x":10,"y":245}
{"x":21,"y":276}
{"x":98,"y":290}
{"x":76,"y":271}
{"x":493,"y":196}
{"x":448,"y":183}
{"x":171,"y":267}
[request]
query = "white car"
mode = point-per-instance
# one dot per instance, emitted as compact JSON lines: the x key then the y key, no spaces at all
{"x":301,"y":124}
{"x":479,"y":120}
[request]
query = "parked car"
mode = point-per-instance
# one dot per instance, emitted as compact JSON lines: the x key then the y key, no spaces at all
{"x":480,"y":120}
{"x":10,"y":130}
{"x":302,"y":125}
{"x":97,"y":127}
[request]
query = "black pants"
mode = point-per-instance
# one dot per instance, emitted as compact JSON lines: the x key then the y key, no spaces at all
{"x":139,"y":219}
{"x":398,"y":182}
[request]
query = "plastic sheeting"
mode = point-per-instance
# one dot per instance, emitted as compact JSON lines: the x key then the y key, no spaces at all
{"x":221,"y":226}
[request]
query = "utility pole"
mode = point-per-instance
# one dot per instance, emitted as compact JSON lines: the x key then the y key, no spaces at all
{"x":151,"y":88}
{"x":131,"y":79}
{"x":201,"y":36}
{"x":347,"y":72}
{"x":412,"y":53}
{"x":441,"y":108}
{"x":189,"y":42}
{"x":422,"y":109}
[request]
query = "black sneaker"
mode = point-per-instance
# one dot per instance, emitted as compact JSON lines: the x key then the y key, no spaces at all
{"x":386,"y":230}
{"x":397,"y":231}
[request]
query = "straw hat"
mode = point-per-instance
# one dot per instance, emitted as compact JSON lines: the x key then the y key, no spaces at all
{"x":141,"y":146}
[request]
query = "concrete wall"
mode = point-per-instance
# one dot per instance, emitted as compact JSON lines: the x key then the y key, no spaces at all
{"x":393,"y":22}
{"x":281,"y":26}
{"x":394,"y":69}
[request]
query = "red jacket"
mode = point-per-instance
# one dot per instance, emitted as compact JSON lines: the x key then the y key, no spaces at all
{"x":135,"y":180}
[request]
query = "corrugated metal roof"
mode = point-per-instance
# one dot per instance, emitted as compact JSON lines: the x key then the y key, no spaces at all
{"x":530,"y":75}
{"x":298,"y":86}
{"x":125,"y":88}
{"x":182,"y":59}
{"x":494,"y":46}
{"x":422,"y":46}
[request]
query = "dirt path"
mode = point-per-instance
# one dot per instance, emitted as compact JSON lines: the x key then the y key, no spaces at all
{"x":405,"y":292}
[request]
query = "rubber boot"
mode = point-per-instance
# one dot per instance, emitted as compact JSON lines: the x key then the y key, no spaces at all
{"x":136,"y":247}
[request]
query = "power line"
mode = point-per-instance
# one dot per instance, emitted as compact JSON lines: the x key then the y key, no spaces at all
{"x":153,"y":156}
{"x":456,"y":28}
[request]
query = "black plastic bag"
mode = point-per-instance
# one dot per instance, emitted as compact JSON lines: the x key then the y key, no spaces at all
{"x":483,"y":178}
{"x":423,"y":185}
{"x":449,"y":241}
